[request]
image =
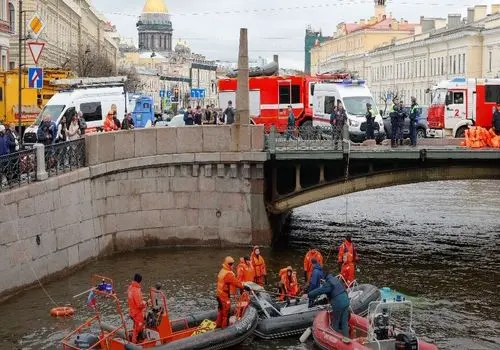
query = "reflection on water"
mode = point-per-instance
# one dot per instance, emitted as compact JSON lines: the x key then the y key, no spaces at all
{"x":436,"y":242}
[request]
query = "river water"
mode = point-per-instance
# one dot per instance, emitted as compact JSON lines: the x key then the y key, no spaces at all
{"x":435,"y":242}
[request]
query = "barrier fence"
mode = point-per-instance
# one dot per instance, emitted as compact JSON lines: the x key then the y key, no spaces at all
{"x":304,"y":138}
{"x":26,"y":166}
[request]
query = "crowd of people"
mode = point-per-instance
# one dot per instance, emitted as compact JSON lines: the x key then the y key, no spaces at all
{"x":234,"y":279}
{"x":9,"y":140}
{"x":209,"y":115}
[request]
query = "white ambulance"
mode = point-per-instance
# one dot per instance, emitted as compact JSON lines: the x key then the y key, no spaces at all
{"x":91,"y":96}
{"x":354,"y":95}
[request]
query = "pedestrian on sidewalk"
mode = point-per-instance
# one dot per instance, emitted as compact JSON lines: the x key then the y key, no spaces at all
{"x":414,"y":115}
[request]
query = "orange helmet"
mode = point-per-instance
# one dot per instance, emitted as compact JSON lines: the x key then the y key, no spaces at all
{"x":228,"y":260}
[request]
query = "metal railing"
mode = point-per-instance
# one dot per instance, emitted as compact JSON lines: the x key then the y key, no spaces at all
{"x":17,"y":169}
{"x":64,"y":157}
{"x":306,"y":138}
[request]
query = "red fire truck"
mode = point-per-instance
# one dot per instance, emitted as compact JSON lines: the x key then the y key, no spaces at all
{"x":460,"y":103}
{"x":270,"y":97}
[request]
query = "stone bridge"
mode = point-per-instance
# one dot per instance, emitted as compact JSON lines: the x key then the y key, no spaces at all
{"x":207,"y":185}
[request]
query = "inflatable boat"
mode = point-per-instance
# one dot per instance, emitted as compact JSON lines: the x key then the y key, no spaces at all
{"x":388,"y":326}
{"x":197,"y":331}
{"x":279,"y":320}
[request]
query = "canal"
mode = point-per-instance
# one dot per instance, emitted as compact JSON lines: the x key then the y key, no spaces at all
{"x":436,"y":242}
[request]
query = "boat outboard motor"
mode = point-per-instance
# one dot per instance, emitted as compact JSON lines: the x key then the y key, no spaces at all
{"x":406,"y":341}
{"x":381,"y":325}
{"x":86,"y":340}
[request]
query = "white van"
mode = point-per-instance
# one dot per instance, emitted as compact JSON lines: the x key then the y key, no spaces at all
{"x":91,"y":96}
{"x":354,"y":95}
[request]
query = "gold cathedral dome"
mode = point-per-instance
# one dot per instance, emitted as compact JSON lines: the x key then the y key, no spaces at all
{"x":155,"y":6}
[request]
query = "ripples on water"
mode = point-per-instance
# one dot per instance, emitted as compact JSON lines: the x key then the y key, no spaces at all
{"x":436,"y":242}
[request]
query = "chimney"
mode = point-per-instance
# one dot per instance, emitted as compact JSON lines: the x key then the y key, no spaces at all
{"x":470,"y":15}
{"x":427,"y":24}
{"x":454,"y":20}
{"x":362,"y":22}
{"x":480,"y":12}
{"x":276,"y":59}
{"x":495,"y":8}
{"x":421,"y":19}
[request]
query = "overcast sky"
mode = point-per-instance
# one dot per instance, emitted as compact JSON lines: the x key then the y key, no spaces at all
{"x":274,"y":26}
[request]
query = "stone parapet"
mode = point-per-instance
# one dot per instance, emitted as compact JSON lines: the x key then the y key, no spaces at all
{"x":207,"y":139}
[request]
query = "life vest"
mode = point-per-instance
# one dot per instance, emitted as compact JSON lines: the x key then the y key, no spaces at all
{"x":308,"y":267}
{"x":224,"y":288}
{"x":259,"y":265}
{"x":290,"y":283}
{"x":244,"y":272}
{"x":347,"y":253}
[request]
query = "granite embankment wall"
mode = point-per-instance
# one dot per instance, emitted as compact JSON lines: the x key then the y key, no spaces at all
{"x":150,"y":187}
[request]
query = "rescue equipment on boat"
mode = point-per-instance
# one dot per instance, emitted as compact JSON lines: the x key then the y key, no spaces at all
{"x":62,"y":311}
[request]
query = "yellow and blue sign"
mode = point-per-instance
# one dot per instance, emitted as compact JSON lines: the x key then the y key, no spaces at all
{"x":35,"y":78}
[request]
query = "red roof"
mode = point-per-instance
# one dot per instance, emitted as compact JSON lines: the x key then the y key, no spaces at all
{"x":384,"y":24}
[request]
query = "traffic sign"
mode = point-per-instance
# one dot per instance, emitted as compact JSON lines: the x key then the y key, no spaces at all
{"x":36,"y":49}
{"x":197,"y":93}
{"x":162,"y":93}
{"x":35,"y":78}
{"x":36,"y":26}
{"x":169,"y":93}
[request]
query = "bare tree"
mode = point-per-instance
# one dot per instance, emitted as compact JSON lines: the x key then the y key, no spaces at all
{"x":90,"y":64}
{"x":133,"y":83}
{"x":389,"y":95}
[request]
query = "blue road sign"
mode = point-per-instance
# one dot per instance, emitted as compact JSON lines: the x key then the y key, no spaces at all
{"x":35,"y":78}
{"x":169,"y":93}
{"x":197,"y":93}
{"x":162,"y":93}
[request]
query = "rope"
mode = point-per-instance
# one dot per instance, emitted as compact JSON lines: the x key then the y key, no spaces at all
{"x":346,"y":178}
{"x":35,"y":274}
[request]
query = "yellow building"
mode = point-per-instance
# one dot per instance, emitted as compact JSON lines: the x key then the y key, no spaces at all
{"x":72,"y":29}
{"x":353,"y":39}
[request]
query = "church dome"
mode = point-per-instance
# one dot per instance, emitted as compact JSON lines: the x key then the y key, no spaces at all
{"x":155,"y":6}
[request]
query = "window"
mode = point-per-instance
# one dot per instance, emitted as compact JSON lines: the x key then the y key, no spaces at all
{"x":442,"y":65}
{"x":454,"y":98}
{"x":12,"y":18}
{"x":1,"y":94}
{"x":492,"y":93}
{"x":490,"y":61}
{"x":463,"y":63}
{"x":12,"y":65}
{"x":459,"y":69}
{"x":285,"y":97}
{"x":329,"y":104}
{"x":295,"y":93}
{"x":451,"y":64}
{"x":92,"y":111}
{"x":454,"y":64}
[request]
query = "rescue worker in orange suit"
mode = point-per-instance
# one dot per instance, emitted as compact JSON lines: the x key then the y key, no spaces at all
{"x":259,"y":266}
{"x":347,"y":259}
{"x":109,"y":123}
{"x":245,"y":271}
{"x":289,"y":288}
{"x":308,"y":266}
{"x":136,"y":307}
{"x":226,"y":285}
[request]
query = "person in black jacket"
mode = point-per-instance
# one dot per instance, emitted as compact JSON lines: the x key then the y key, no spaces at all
{"x":188,"y":116}
{"x":496,"y":119}
{"x":12,"y":138}
{"x":400,"y":123}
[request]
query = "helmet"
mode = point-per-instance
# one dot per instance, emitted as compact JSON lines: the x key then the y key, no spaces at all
{"x":228,"y":260}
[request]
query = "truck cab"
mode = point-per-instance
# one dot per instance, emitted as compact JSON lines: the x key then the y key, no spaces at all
{"x":354,"y":95}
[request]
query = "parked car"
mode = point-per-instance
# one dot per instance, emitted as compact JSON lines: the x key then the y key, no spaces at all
{"x":177,"y":120}
{"x":422,"y":125}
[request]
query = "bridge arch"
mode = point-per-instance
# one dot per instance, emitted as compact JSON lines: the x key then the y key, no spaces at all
{"x":326,"y":190}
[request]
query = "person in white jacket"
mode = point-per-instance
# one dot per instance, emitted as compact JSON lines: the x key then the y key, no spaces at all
{"x":74,"y":130}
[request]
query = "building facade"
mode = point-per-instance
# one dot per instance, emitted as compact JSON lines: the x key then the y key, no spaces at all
{"x":354,"y":39}
{"x":6,"y":26}
{"x":468,"y":47}
{"x":154,"y":27}
{"x":72,"y":28}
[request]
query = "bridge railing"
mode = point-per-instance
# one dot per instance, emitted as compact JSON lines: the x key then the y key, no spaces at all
{"x":40,"y":162}
{"x":304,"y":138}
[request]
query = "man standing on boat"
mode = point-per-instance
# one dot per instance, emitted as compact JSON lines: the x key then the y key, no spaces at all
{"x":226,"y":285}
{"x":339,"y":300}
{"x":308,"y":266}
{"x":136,"y":306}
{"x":316,"y":276}
{"x":259,"y":266}
{"x":347,"y":259}
{"x":245,"y":271}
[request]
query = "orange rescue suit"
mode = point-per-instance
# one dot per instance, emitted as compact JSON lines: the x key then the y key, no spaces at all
{"x":348,"y":257}
{"x":290,"y":286}
{"x":259,"y":266}
{"x":245,"y":272}
{"x":308,"y":266}
{"x":109,"y":124}
{"x":226,"y":285}
{"x":136,"y":307}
